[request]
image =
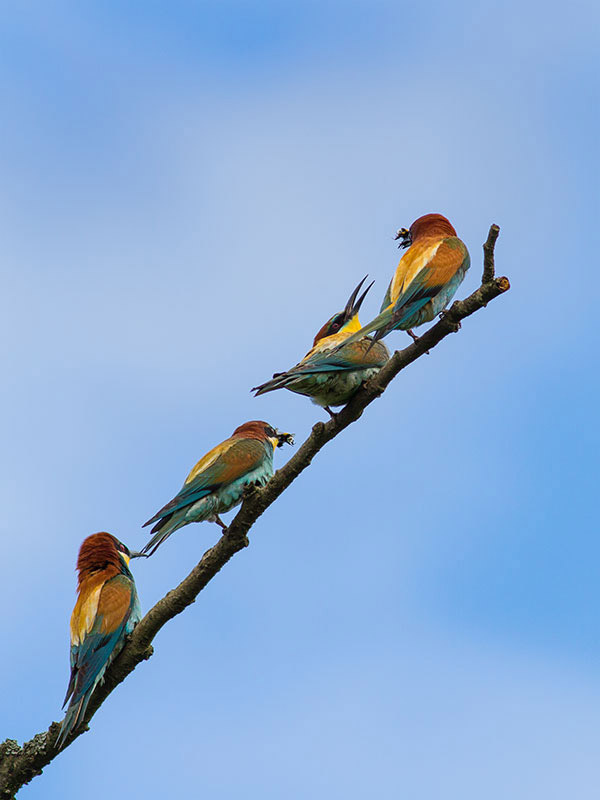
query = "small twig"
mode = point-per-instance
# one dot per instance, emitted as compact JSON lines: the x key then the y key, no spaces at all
{"x":489,"y":270}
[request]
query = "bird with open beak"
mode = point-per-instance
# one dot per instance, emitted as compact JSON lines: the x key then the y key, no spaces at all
{"x":106,"y":612}
{"x":426,"y":279}
{"x":333,"y":370}
{"x":217,"y":482}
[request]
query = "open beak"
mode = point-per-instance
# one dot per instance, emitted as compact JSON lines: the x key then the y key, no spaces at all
{"x":353,"y":305}
{"x":284,"y":438}
{"x":404,"y":236}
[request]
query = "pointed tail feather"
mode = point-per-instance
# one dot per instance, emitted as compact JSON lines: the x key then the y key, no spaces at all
{"x":150,"y":547}
{"x":381,"y":324}
{"x":162,"y":530}
{"x":278,"y":381}
{"x":74,"y":715}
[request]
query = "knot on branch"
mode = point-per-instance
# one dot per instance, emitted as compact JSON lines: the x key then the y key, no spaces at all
{"x":236,"y":535}
{"x":148,"y":653}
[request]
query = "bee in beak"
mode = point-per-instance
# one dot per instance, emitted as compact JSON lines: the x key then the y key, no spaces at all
{"x":403,"y":234}
{"x":284,"y":438}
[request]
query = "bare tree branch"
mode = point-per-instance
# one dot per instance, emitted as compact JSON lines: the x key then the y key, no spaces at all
{"x":19,"y":764}
{"x":489,"y":269}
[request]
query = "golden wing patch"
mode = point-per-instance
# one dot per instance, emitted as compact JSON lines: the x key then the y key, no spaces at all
{"x":419,"y":255}
{"x":86,"y":608}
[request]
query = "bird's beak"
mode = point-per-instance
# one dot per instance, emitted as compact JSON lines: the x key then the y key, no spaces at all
{"x":284,"y":438}
{"x":138,"y":554}
{"x":405,"y":238}
{"x":353,"y":305}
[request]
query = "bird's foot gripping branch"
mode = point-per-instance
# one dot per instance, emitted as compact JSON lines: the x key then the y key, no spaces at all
{"x":20,"y":763}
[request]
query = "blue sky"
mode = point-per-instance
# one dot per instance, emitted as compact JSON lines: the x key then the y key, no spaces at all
{"x":189,"y":191}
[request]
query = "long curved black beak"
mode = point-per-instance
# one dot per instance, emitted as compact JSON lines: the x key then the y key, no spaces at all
{"x":353,"y":305}
{"x":138,"y":554}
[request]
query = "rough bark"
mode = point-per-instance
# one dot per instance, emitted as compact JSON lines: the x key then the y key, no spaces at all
{"x":19,"y":764}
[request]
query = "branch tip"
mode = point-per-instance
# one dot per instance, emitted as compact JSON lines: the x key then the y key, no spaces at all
{"x":488,"y":254}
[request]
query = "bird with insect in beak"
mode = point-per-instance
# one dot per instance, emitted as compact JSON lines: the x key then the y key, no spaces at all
{"x":217,"y":482}
{"x":333,"y":370}
{"x":106,"y":611}
{"x":426,"y":279}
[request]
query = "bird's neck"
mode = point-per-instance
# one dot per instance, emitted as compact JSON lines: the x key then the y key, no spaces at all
{"x":352,"y":326}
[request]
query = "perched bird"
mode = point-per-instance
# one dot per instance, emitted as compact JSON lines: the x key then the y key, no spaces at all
{"x":332,"y":371}
{"x":217,"y":482}
{"x":106,"y":611}
{"x":426,"y":279}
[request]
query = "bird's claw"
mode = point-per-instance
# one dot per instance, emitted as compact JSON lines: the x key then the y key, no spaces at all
{"x":220,"y":523}
{"x":443,"y":314}
{"x":415,"y":338}
{"x":249,"y":490}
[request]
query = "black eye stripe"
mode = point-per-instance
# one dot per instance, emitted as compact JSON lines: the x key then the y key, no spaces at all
{"x":336,"y":323}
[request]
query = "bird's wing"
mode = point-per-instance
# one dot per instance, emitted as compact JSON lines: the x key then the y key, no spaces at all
{"x":91,"y":649}
{"x":431,"y":267}
{"x":387,"y":300}
{"x":224,"y":464}
{"x":349,"y":357}
{"x":358,"y":355}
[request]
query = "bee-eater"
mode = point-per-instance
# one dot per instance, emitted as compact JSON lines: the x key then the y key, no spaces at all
{"x":106,"y":611}
{"x":332,"y":371}
{"x":217,"y":482}
{"x":426,"y":279}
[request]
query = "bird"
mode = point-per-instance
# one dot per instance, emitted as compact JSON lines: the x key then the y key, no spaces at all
{"x":332,"y":371}
{"x":217,"y":482}
{"x":106,"y":612}
{"x":426,"y":279}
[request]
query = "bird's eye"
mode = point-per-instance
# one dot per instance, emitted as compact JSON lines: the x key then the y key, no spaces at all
{"x":335,"y":326}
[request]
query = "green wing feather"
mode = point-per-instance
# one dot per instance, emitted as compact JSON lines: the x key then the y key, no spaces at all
{"x":349,"y":357}
{"x":239,"y":457}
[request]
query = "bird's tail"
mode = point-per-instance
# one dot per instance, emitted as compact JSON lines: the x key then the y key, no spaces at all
{"x":382,"y":325}
{"x":74,"y":715}
{"x":162,"y":530}
{"x":279,"y":381}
